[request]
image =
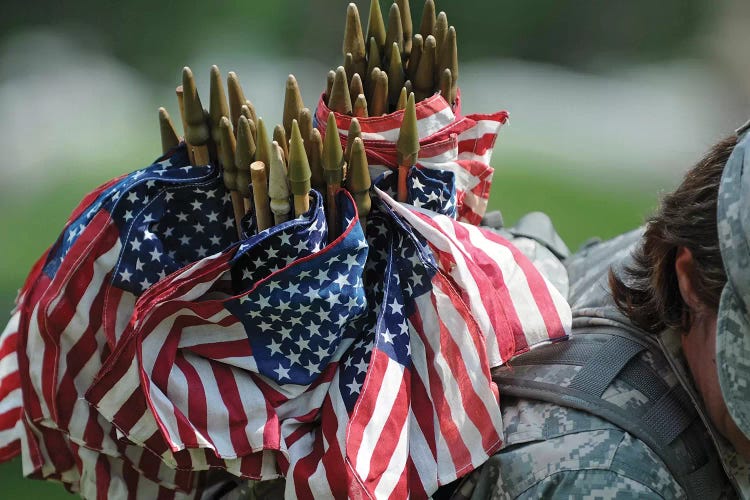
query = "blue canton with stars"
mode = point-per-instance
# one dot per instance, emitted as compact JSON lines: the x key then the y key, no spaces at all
{"x":433,"y":189}
{"x":399,"y":268}
{"x":296,"y":319}
{"x":427,"y":188}
{"x":280,"y":245}
{"x":168,"y":215}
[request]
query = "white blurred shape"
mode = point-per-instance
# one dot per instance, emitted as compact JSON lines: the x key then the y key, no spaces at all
{"x":65,"y":105}
{"x":640,"y":124}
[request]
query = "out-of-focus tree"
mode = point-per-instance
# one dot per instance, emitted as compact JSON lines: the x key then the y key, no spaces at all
{"x":577,"y":34}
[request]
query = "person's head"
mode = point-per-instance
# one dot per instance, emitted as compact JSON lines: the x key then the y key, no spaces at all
{"x":678,"y":280}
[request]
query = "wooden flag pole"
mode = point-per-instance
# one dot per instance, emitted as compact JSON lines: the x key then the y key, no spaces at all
{"x":169,"y":138}
{"x":299,"y":172}
{"x":197,"y":133}
{"x":227,"y":147}
{"x":263,"y":216}
{"x":407,"y":146}
{"x":332,"y":168}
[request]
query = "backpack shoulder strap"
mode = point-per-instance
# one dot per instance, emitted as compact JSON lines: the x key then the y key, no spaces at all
{"x":668,"y":423}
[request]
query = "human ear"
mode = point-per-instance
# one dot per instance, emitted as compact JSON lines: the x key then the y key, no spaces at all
{"x":684,"y":266}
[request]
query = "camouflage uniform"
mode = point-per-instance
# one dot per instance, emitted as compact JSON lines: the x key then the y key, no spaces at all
{"x":553,"y":451}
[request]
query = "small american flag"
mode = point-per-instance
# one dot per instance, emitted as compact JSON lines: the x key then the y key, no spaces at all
{"x":125,"y":236}
{"x":448,"y":141}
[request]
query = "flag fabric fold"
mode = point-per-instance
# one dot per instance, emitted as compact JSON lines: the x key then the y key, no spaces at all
{"x":448,"y":141}
{"x":123,"y":237}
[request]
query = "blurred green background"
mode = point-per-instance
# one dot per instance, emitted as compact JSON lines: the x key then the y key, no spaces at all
{"x":610,"y":101}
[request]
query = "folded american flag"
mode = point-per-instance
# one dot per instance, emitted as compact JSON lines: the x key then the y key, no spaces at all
{"x":122,"y":238}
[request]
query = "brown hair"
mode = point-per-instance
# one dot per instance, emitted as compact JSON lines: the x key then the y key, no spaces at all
{"x":647,"y":292}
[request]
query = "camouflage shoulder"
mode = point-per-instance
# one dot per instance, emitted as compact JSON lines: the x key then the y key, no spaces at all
{"x":588,"y":269}
{"x":535,"y":236}
{"x":605,"y":463}
{"x":257,"y":490}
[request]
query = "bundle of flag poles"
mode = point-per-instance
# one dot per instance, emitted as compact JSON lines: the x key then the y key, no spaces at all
{"x":317,"y":305}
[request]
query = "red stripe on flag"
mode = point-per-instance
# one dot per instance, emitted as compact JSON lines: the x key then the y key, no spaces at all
{"x":230,"y":396}
{"x":538,"y":285}
{"x":449,"y":349}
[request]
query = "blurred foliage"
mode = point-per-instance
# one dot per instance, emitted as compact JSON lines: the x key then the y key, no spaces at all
{"x":581,"y":35}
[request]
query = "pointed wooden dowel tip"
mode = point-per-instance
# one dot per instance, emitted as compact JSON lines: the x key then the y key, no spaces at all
{"x":379,"y":101}
{"x":450,"y":61}
{"x":424,"y":79}
{"x":317,"y":178}
{"x":247,"y":113}
{"x":279,"y":136}
{"x":333,"y":172}
{"x":340,"y":100}
{"x":169,"y":138}
{"x":360,"y":107}
{"x":373,"y":60}
{"x":409,"y":89}
{"x":445,"y":84}
{"x":292,"y":103}
{"x":244,"y":154}
{"x":218,"y":102}
{"x":416,"y":54}
{"x":299,"y":171}
{"x":306,"y":127}
{"x":197,"y":133}
{"x":360,"y":175}
{"x":278,"y":188}
{"x":356,"y":87}
{"x":375,"y":24}
{"x":403,"y":96}
{"x":227,"y":146}
{"x":332,"y":153}
{"x":395,"y":32}
{"x":408,"y":137}
{"x":355,"y":131}
{"x":396,"y":75}
{"x":407,"y":27}
{"x":349,"y":66}
{"x":354,"y":41}
{"x":359,"y":180}
{"x":259,"y":176}
{"x":441,"y":30}
{"x":329,"y":85}
{"x":427,"y":26}
{"x":299,"y":167}
{"x":236,"y":97}
{"x":263,"y":145}
{"x":407,"y":146}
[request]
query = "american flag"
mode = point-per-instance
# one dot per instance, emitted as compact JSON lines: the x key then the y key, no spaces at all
{"x":448,"y":141}
{"x":514,"y":304}
{"x":125,"y":236}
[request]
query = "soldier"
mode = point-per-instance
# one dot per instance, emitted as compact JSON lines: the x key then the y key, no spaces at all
{"x":650,"y":396}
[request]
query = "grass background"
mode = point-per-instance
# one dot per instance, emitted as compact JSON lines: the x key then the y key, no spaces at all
{"x":579,"y":207}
